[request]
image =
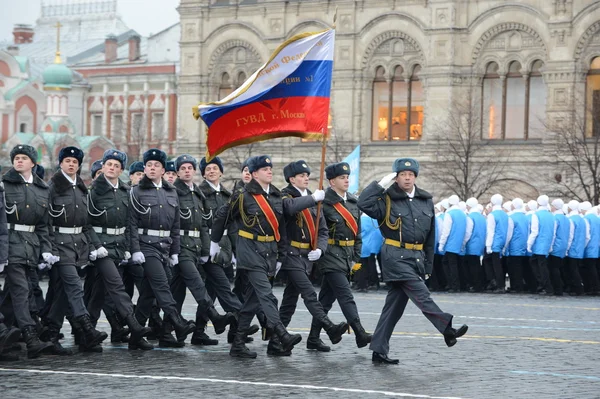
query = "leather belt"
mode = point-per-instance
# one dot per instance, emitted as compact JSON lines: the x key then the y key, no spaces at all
{"x":20,"y":227}
{"x":155,"y":233}
{"x":255,"y":237}
{"x":394,"y":243}
{"x":300,"y":245}
{"x":110,"y":231}
{"x":68,"y":230}
{"x":341,"y":243}
{"x":190,"y":233}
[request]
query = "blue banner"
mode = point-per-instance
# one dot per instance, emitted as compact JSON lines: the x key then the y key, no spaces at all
{"x":353,"y":159}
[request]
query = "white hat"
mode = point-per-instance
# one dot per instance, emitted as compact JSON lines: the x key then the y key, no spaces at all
{"x":585,"y":206}
{"x":507,"y":206}
{"x":543,"y":200}
{"x":453,"y":200}
{"x":438,"y":207}
{"x":532,"y":205}
{"x":462,"y":205}
{"x":565,"y":209}
{"x":558,"y":203}
{"x":517,"y":203}
{"x":480,"y":207}
{"x":444,"y":203}
{"x":472,"y":202}
{"x":496,"y":199}
{"x":573,"y":205}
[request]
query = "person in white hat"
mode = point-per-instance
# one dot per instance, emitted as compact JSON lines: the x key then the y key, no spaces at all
{"x":451,"y":242}
{"x":575,"y":250}
{"x":539,"y":242}
{"x":518,"y":262}
{"x":588,"y":271}
{"x":438,"y":281}
{"x":474,"y":244}
{"x":562,"y":239}
{"x":496,"y":238}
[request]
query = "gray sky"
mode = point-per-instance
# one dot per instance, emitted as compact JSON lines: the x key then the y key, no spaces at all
{"x":145,"y":16}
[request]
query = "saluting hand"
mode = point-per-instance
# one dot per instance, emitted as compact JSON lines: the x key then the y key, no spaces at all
{"x":387,"y":180}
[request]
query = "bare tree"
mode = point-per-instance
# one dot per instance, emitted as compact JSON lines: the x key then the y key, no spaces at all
{"x":338,"y":147}
{"x":465,"y":166}
{"x":138,"y":137}
{"x":236,"y":156}
{"x":577,"y":140}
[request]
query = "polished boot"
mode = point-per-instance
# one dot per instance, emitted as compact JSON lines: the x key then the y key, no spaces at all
{"x":155,"y":323}
{"x":287,"y":340}
{"x":137,"y":331}
{"x":314,"y":341}
{"x":182,"y":328}
{"x":383,"y":358}
{"x":220,"y":322}
{"x":451,"y":334}
{"x":200,"y":337}
{"x":334,"y":331}
{"x":9,"y":357}
{"x":166,"y":339}
{"x":239,"y":348}
{"x":118,"y":334}
{"x":274,"y":348}
{"x":140,"y":344}
{"x":91,"y":336}
{"x":56,"y":348}
{"x":35,"y":347}
{"x":253,"y":329}
{"x":79,"y":339}
{"x":363,"y":338}
{"x":8,"y":336}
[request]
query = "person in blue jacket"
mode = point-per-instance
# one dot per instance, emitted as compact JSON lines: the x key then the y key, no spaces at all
{"x":587,"y":269}
{"x":475,"y":244}
{"x":372,"y":240}
{"x":575,"y":250}
{"x":563,"y":232}
{"x":539,"y":242}
{"x":517,"y":247}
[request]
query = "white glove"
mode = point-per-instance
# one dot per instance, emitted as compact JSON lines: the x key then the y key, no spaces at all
{"x":488,"y":250}
{"x":173,"y":260}
{"x":318,"y":195}
{"x":529,"y":249}
{"x":2,"y":266}
{"x":93,"y":255}
{"x":214,"y":250}
{"x":49,"y":258}
{"x":387,"y":179}
{"x":314,"y":256}
{"x":138,"y":258}
{"x":440,"y":248}
{"x":233,"y":260}
{"x":101,"y":253}
{"x":427,"y":276}
{"x":127,"y":255}
{"x":277,"y":267}
{"x":203,"y":259}
{"x":43,"y":266}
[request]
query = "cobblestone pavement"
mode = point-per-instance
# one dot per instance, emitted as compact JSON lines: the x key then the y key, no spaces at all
{"x":516,"y":347}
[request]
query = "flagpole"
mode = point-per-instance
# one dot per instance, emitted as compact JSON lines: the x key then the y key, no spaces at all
{"x":319,"y":204}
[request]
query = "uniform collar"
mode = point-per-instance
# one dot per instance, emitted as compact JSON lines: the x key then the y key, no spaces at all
{"x":72,"y":181}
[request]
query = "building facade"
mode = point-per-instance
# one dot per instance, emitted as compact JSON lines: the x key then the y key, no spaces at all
{"x":402,"y":66}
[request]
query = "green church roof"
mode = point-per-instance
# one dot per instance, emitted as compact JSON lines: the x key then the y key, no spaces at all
{"x":57,"y":75}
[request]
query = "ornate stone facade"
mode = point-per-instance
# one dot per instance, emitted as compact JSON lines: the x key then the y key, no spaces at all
{"x":453,"y":43}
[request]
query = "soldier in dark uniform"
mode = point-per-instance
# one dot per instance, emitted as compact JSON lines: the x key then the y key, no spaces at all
{"x":299,"y":208}
{"x":133,"y":273}
{"x":8,"y":337}
{"x":95,"y":168}
{"x":136,"y":172}
{"x":108,"y":208}
{"x":343,"y":252}
{"x":154,"y":231}
{"x":405,"y":214}
{"x":195,"y":243}
{"x":170,"y":172}
{"x":71,"y":243}
{"x":258,"y":211}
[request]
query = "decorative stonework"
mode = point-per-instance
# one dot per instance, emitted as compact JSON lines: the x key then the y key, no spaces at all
{"x":510,"y":36}
{"x":385,"y":45}
{"x":230,"y":44}
{"x":586,"y":39}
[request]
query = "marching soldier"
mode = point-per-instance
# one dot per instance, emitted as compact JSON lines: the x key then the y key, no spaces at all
{"x":342,"y":255}
{"x":154,"y":230}
{"x":108,"y":208}
{"x":195,"y":244}
{"x":405,"y":213}
{"x":258,"y":211}
{"x":72,"y":248}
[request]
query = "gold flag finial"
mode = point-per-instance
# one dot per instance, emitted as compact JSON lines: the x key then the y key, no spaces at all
{"x":57,"y":59}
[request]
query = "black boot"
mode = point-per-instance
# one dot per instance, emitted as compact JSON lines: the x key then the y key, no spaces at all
{"x":118,"y":334}
{"x":137,"y":331}
{"x":363,"y":338}
{"x":155,"y":323}
{"x":451,"y":334}
{"x":167,"y":340}
{"x":140,"y":344}
{"x":274,"y":348}
{"x":91,"y":336}
{"x":220,"y":322}
{"x":314,"y":341}
{"x":334,"y":331}
{"x":233,"y":327}
{"x":239,"y":348}
{"x":79,"y":338}
{"x":53,"y":338}
{"x":287,"y":340}
{"x":182,"y":328}
{"x":200,"y":337}
{"x":8,"y":336}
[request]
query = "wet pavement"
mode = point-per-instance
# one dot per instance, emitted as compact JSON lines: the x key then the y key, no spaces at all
{"x":517,"y":347}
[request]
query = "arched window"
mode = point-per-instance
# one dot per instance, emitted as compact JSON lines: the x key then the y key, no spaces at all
{"x":592,"y":99}
{"x":513,"y":126}
{"x":226,"y":87}
{"x":241,"y":79}
{"x":402,"y":121}
{"x":23,"y":128}
{"x":492,"y":102}
{"x":536,"y":114}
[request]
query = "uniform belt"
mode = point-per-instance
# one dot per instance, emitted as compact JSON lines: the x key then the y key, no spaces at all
{"x":110,"y":231}
{"x":224,"y":232}
{"x":20,"y":227}
{"x":341,"y":243}
{"x":190,"y":233}
{"x":300,"y":245}
{"x":68,"y":230}
{"x":155,"y":233}
{"x":255,"y":237}
{"x":407,"y":245}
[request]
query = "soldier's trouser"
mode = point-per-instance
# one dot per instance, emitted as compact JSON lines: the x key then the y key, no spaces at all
{"x":16,"y":294}
{"x":395,"y":303}
{"x":555,"y":265}
{"x":336,"y":286}
{"x":185,"y":274}
{"x":539,"y":265}
{"x":573,"y":276}
{"x":218,"y":283}
{"x":68,"y":294}
{"x":154,"y":285}
{"x":450,"y":262}
{"x":107,"y":279}
{"x":133,"y":275}
{"x":589,"y":275}
{"x":258,"y":294}
{"x":298,"y":283}
{"x":474,"y":269}
{"x":36,"y":295}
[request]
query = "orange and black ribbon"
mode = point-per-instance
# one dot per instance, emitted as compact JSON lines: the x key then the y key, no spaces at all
{"x":310,"y":223}
{"x":265,"y":207}
{"x":350,"y":222}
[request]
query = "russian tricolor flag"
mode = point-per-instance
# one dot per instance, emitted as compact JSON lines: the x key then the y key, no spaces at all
{"x":287,"y":96}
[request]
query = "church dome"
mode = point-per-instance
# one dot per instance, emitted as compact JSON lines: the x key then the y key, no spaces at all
{"x":57,"y":76}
